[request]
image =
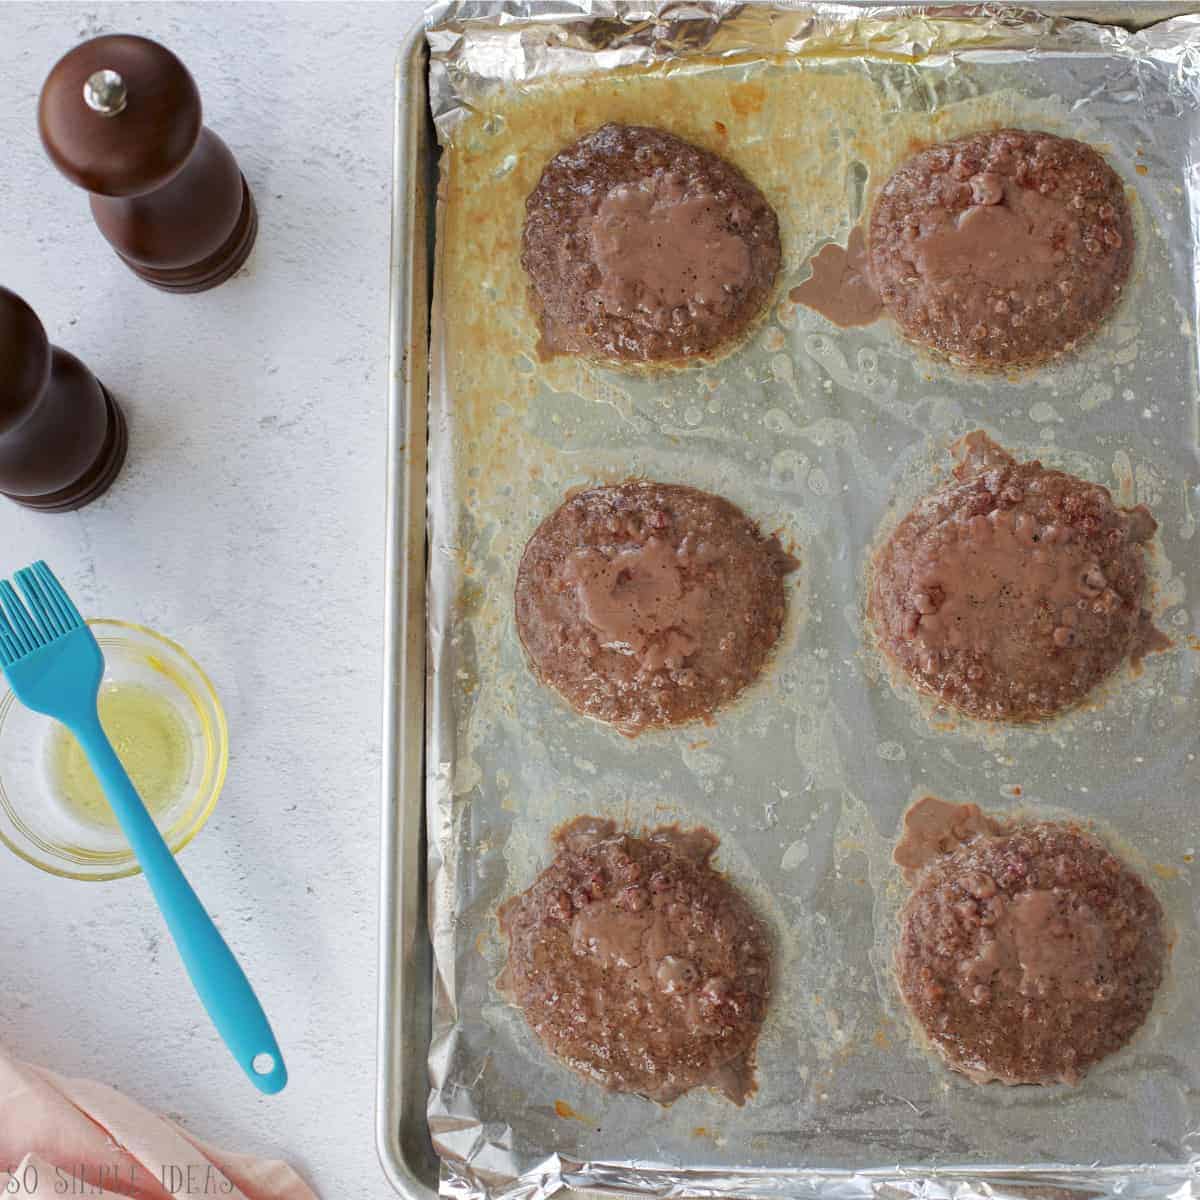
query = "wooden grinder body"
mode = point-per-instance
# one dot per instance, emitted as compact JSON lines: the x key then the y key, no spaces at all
{"x":62,"y":437}
{"x":120,"y":116}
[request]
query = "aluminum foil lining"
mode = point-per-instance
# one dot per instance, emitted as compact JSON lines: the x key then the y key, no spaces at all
{"x":827,"y":435}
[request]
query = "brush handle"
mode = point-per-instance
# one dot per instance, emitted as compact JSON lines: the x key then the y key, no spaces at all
{"x":215,"y":973}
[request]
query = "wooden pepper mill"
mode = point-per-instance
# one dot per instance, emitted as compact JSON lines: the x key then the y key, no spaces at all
{"x":62,"y":436}
{"x":120,"y":116}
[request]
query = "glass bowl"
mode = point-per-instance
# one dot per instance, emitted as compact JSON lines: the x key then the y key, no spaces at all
{"x":51,"y":818}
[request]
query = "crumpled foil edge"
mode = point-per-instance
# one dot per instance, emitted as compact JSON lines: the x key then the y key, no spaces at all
{"x":1133,"y":1182}
{"x":477,"y":46}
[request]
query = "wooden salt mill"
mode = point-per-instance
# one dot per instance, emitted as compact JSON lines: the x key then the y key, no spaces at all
{"x":120,"y":116}
{"x":62,"y":436}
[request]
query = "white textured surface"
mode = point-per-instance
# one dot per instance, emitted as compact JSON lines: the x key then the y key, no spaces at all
{"x":248,"y":524}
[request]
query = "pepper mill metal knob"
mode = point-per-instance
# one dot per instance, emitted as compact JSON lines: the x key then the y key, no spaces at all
{"x":62,"y":436}
{"x":120,"y":117}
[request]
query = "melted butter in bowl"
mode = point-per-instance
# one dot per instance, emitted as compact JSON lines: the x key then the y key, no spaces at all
{"x":151,"y":740}
{"x":167,"y":726}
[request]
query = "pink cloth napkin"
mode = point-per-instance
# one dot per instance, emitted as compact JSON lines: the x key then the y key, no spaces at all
{"x":72,"y":1136}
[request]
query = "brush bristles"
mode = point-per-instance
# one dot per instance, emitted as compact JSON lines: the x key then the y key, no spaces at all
{"x":10,"y":649}
{"x":26,"y":633}
{"x":47,"y":615}
{"x":68,"y":613}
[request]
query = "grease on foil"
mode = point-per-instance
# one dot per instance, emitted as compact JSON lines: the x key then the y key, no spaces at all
{"x":815,"y":432}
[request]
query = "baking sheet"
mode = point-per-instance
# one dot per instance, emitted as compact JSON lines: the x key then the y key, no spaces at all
{"x":828,"y":435}
{"x":405,"y":952}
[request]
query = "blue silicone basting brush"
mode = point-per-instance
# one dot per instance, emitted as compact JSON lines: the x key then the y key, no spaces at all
{"x":55,"y":665}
